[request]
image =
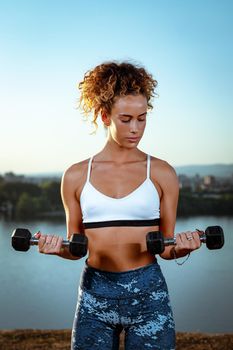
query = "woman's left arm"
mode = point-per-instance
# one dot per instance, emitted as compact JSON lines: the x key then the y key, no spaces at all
{"x":169,"y":183}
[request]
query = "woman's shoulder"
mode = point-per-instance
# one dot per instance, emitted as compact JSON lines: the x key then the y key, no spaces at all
{"x":76,"y":171}
{"x":160,"y":163}
{"x":162,"y":170}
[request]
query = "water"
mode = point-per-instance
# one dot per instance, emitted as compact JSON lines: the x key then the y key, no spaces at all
{"x":40,"y":291}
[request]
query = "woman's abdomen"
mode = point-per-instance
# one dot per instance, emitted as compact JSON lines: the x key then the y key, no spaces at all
{"x":118,"y":248}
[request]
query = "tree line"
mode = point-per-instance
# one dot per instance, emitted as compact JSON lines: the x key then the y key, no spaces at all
{"x":27,"y":200}
{"x":197,"y":203}
{"x":24,"y":200}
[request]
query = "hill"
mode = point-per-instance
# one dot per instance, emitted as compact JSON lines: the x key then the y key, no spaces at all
{"x":218,"y":170}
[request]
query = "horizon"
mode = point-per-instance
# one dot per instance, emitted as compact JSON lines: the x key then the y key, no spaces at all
{"x":60,"y":172}
{"x":48,"y":46}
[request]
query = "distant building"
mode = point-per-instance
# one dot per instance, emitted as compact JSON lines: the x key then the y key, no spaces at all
{"x":209,"y":181}
{"x":184,"y":181}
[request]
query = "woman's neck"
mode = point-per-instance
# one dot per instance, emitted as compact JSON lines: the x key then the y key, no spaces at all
{"x":112,"y":151}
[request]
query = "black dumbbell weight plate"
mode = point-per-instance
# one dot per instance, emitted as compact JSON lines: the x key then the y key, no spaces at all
{"x":155,"y":242}
{"x":214,"y":237}
{"x":20,"y":239}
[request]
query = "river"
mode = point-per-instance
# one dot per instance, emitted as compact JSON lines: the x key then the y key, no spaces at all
{"x":40,"y":291}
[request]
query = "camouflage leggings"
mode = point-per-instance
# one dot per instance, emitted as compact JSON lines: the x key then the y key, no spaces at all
{"x":136,"y":301}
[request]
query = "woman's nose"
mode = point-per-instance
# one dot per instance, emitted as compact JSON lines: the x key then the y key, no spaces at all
{"x":134,"y":126}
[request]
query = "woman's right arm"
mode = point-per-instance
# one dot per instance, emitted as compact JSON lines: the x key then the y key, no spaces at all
{"x":52,"y":244}
{"x":70,"y":187}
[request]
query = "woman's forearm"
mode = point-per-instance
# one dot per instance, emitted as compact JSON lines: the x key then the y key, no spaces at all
{"x":169,"y":251}
{"x":65,"y":254}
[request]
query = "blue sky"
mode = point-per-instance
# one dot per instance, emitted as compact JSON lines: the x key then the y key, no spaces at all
{"x":47,"y":46}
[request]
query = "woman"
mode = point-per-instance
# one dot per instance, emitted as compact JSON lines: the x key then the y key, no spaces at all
{"x":116,"y":197}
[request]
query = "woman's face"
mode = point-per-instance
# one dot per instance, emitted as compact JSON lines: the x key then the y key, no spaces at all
{"x":127,"y":120}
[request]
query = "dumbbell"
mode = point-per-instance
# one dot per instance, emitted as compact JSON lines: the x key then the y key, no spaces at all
{"x":213,"y":237}
{"x":22,"y":239}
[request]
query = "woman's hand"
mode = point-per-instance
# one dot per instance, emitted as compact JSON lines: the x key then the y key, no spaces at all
{"x":49,"y":244}
{"x":187,"y":242}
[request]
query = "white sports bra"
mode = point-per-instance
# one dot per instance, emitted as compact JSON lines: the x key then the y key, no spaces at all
{"x":141,"y":207}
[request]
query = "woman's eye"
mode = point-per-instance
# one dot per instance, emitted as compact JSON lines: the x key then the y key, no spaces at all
{"x":127,"y":121}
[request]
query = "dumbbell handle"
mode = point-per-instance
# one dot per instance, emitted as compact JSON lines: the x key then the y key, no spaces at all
{"x":172,"y":241}
{"x":35,"y":241}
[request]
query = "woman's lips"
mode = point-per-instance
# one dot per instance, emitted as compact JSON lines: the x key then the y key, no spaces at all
{"x":133,"y":139}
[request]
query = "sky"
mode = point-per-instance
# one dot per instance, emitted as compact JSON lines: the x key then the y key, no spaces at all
{"x":47,"y":46}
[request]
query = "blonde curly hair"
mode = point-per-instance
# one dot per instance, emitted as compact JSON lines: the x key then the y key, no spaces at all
{"x":107,"y":81}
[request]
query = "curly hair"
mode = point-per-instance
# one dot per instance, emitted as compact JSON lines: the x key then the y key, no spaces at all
{"x":102,"y":85}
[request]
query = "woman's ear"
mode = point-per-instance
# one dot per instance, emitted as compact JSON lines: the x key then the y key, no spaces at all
{"x":105,"y":119}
